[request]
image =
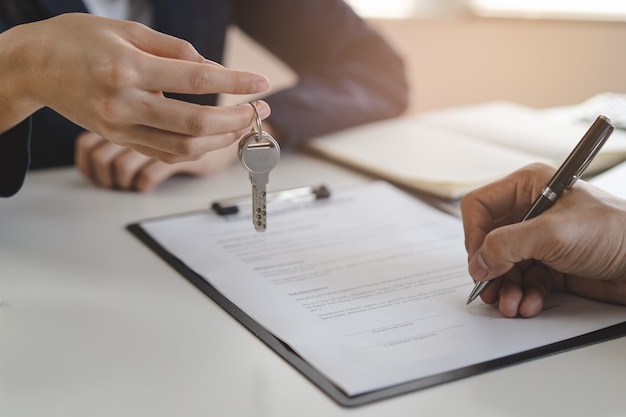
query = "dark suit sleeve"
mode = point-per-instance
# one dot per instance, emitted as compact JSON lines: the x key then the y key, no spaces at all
{"x":347,"y":73}
{"x":14,"y":154}
{"x":14,"y":158}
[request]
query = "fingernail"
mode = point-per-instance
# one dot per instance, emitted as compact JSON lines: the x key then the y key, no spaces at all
{"x":261,"y":85}
{"x":478,"y":268}
{"x":264,"y":109}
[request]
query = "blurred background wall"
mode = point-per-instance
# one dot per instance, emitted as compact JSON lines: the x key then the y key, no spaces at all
{"x":455,"y":58}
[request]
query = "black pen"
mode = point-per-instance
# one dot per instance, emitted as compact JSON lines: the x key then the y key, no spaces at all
{"x":565,"y":177}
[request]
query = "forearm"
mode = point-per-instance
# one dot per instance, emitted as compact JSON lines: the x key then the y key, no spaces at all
{"x":16,"y":65}
{"x":360,"y":80}
{"x":316,"y":106}
{"x":347,"y":73}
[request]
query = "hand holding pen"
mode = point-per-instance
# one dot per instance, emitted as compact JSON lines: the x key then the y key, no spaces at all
{"x":476,"y":227}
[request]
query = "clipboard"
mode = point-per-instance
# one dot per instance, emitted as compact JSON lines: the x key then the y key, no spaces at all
{"x":321,"y":381}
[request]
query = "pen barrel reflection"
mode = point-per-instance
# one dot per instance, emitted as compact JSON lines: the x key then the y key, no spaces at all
{"x":582,"y":155}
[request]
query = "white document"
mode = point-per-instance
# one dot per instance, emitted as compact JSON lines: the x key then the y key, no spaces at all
{"x":369,"y":286}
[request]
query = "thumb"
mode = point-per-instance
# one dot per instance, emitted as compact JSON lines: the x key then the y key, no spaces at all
{"x":504,"y":247}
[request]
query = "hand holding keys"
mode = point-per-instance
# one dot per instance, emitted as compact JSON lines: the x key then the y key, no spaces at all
{"x":259,"y":153}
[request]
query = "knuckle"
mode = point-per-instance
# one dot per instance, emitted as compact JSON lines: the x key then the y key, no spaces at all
{"x":122,"y":172}
{"x":199,"y":124}
{"x":116,"y":72}
{"x":81,"y":145}
{"x":144,"y":182}
{"x":187,"y":148}
{"x":466,"y":200}
{"x":201,"y":82}
{"x":110,"y":110}
{"x":195,"y":157}
{"x":135,"y":29}
{"x":538,"y":167}
{"x":184,"y":47}
{"x":169,"y":158}
{"x":99,"y":157}
{"x":492,"y":246}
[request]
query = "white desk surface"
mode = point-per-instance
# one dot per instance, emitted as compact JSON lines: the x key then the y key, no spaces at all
{"x":92,"y":323}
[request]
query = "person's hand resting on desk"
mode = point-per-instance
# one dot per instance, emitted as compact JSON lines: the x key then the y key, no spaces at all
{"x":576,"y":246}
{"x":108,"y":76}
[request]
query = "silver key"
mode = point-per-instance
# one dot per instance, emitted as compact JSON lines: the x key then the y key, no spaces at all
{"x":259,"y":153}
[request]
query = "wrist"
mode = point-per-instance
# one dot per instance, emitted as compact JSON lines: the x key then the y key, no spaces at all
{"x":17,"y":73}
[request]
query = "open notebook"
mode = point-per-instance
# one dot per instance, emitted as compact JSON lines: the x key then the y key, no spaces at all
{"x":450,"y":152}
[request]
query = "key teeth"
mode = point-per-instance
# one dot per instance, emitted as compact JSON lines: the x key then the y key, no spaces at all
{"x":259,"y":218}
{"x":259,"y":224}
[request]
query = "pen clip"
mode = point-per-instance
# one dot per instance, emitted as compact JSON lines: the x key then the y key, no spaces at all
{"x":592,"y":153}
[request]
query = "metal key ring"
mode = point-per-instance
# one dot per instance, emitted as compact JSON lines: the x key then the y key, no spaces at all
{"x":258,"y":122}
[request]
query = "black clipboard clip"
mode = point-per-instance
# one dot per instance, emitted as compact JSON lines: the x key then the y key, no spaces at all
{"x":309,"y":193}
